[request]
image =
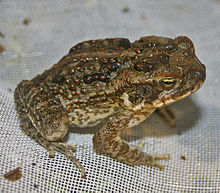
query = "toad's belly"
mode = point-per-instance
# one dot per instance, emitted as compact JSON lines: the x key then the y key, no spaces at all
{"x":89,"y":116}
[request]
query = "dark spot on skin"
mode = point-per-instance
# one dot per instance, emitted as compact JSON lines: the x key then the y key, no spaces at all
{"x":102,"y":78}
{"x":71,"y":71}
{"x":98,"y":76}
{"x":67,"y":81}
{"x":139,"y":67}
{"x":85,"y":60}
{"x":88,"y":79}
{"x":112,"y":60}
{"x":109,"y":66}
{"x":118,"y":65}
{"x":54,"y":92}
{"x":143,"y":66}
{"x":114,"y":68}
{"x":138,"y":50}
{"x":104,"y":60}
{"x":76,"y":81}
{"x":95,"y":77}
{"x":163,"y":58}
{"x":83,"y":91}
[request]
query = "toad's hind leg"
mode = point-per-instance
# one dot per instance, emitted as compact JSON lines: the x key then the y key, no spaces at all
{"x":44,"y":119}
{"x":66,"y":149}
{"x":26,"y":124}
{"x":107,"y":141}
{"x":29,"y":130}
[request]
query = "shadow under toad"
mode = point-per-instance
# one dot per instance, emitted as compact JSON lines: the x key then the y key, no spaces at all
{"x":187,"y":114}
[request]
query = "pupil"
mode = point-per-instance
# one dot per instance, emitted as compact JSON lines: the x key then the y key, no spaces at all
{"x":168,"y":82}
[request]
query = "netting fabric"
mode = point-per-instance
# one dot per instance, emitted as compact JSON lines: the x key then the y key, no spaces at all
{"x":36,"y":34}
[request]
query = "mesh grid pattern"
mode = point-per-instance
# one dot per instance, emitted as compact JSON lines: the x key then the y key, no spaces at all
{"x":55,"y":26}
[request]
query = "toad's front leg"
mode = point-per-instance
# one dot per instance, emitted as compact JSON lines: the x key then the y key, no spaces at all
{"x":168,"y":115}
{"x":108,"y":142}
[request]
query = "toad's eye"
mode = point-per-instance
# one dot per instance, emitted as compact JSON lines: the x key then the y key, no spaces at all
{"x":167,"y":82}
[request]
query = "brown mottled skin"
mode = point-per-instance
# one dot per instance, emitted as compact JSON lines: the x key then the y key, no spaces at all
{"x":108,"y":78}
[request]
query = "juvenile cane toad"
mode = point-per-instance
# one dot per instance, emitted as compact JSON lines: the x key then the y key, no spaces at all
{"x":108,"y":78}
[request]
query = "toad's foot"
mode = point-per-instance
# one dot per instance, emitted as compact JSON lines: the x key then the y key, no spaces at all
{"x":153,"y":157}
{"x":68,"y":150}
{"x":63,"y":148}
{"x":168,"y":115}
{"x":107,"y":141}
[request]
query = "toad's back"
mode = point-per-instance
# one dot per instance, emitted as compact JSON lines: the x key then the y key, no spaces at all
{"x":83,"y":77}
{"x":91,"y":65}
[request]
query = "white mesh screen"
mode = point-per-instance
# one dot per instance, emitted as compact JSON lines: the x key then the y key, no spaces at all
{"x":52,"y":28}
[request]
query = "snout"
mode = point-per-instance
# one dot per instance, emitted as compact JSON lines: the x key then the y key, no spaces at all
{"x":195,"y":78}
{"x":201,"y":69}
{"x":203,"y":72}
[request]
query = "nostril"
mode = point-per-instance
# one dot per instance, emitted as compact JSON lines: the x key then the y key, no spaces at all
{"x":196,"y":74}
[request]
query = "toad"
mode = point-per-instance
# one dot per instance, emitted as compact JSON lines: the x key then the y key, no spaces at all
{"x":113,"y":80}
